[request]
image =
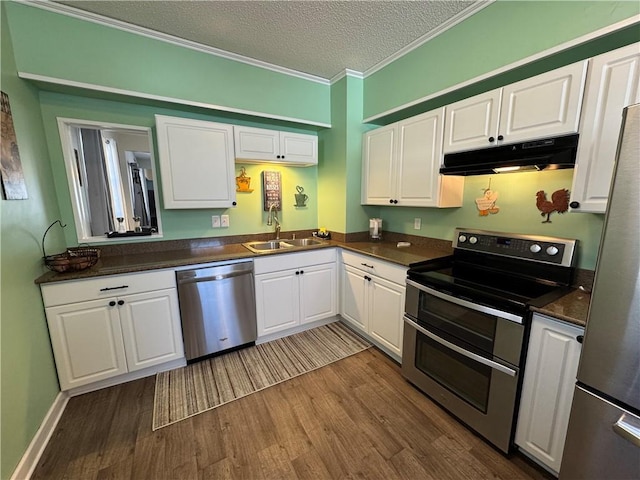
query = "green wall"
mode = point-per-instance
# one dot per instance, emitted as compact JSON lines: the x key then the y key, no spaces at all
{"x":29,"y":383}
{"x":59,"y":46}
{"x":518,"y":212}
{"x":340,"y":171}
{"x":248,"y":217}
{"x":498,"y":35}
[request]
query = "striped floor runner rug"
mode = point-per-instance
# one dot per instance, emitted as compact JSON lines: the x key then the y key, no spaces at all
{"x":201,"y":386}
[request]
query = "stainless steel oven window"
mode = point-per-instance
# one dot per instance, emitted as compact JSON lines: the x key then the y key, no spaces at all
{"x":461,"y":375}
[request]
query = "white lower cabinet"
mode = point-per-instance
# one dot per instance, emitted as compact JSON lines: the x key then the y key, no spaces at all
{"x":372,"y":299}
{"x":294,"y":290}
{"x":110,"y":326}
{"x":547,"y":391}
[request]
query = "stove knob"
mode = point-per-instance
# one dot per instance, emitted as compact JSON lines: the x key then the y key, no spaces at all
{"x":552,"y":250}
{"x":473,"y":240}
{"x":462,"y":239}
{"x":535,"y":248}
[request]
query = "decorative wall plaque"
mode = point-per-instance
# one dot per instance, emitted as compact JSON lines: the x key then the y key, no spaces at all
{"x":272,"y":190}
{"x":13,"y":185}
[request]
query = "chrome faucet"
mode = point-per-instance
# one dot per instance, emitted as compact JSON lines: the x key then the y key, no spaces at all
{"x":271,"y":217}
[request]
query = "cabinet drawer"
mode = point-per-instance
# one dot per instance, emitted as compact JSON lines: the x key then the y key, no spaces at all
{"x":73,"y":291}
{"x":275,"y":263}
{"x":389,"y":271}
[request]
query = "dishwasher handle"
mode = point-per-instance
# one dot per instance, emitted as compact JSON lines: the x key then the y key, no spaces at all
{"x":208,"y":274}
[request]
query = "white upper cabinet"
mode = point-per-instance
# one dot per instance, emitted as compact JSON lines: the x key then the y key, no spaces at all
{"x":542,"y":106}
{"x":612,"y":84}
{"x":196,"y":163}
{"x":472,"y":123}
{"x":402,"y":163}
{"x":259,"y":144}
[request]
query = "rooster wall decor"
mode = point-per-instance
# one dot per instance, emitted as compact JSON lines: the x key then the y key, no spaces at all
{"x":559,"y":203}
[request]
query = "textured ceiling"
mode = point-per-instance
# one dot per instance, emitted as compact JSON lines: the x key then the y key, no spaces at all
{"x":321,"y":38}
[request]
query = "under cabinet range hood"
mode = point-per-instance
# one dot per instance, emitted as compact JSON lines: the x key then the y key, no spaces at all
{"x":544,"y":154}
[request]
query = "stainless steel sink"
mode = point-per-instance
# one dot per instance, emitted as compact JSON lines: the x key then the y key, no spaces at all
{"x":271,"y":245}
{"x":262,"y":246}
{"x":302,"y":242}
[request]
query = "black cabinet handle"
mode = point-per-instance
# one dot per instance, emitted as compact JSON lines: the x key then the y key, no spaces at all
{"x":112,"y":303}
{"x":580,"y":338}
{"x":574,"y":204}
{"x":390,"y":200}
{"x":301,"y":272}
{"x":106,"y":289}
{"x":395,"y":201}
{"x":491,"y":139}
{"x":297,"y":272}
{"x":500,"y":137}
{"x":120,"y":302}
{"x":234,"y":204}
{"x":367,"y":278}
{"x":366,"y":265}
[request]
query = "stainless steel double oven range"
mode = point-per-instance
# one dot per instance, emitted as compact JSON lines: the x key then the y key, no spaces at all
{"x":467,"y":322}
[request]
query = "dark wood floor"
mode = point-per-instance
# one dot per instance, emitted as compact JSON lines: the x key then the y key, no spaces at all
{"x":356,"y":418}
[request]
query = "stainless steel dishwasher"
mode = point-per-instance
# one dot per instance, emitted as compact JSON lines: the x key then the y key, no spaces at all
{"x":218,"y":308}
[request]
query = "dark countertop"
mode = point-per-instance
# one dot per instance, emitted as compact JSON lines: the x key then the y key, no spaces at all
{"x":572,"y":308}
{"x":129,"y":263}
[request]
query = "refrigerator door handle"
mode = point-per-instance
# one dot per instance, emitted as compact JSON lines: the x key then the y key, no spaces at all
{"x":628,"y":428}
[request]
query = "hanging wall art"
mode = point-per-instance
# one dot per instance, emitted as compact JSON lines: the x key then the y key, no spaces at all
{"x":487,"y":203}
{"x":13,"y":185}
{"x":559,"y":203}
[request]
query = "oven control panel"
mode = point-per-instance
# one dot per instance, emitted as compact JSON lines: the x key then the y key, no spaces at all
{"x":558,"y":251}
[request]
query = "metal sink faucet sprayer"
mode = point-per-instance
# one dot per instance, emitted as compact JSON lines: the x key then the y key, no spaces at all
{"x":271,"y":217}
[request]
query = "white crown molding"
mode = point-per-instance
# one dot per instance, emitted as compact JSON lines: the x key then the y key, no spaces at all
{"x":40,"y":440}
{"x":132,"y":93}
{"x":346,"y":73}
{"x":453,"y":21}
{"x":558,"y":48}
{"x":146,"y":32}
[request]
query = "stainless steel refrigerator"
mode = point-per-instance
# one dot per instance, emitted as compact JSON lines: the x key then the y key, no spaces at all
{"x":603,"y":440}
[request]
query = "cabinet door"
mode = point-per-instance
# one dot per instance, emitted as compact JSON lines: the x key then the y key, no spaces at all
{"x":613,"y":84}
{"x":277,"y":301}
{"x":151,"y":328}
{"x":87,"y":342}
{"x":547,"y":391}
{"x":298,"y":148}
{"x":472,"y":123}
{"x":378,"y":174}
{"x":353,"y":305}
{"x":256,"y":143}
{"x":196,"y":163}
{"x":318,"y":291}
{"x":543,"y":106}
{"x":419,"y":158}
{"x":386,"y":307}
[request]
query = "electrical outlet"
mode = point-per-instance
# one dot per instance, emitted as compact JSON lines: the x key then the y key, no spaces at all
{"x":215,"y":221}
{"x":417,"y":223}
{"x":224,"y":221}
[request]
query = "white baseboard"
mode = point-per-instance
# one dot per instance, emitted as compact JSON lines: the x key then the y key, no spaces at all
{"x":32,"y":455}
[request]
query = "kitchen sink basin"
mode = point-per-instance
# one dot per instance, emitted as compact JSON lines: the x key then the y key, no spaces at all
{"x":271,"y":245}
{"x":302,"y":242}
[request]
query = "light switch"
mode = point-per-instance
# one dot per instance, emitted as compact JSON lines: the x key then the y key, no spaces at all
{"x":417,"y":223}
{"x":224,"y":221}
{"x":215,"y":221}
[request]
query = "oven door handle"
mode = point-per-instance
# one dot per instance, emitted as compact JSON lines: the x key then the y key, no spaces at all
{"x":473,"y":356}
{"x":466,"y":303}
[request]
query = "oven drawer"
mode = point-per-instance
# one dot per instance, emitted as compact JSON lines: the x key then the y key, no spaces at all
{"x":479,"y":391}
